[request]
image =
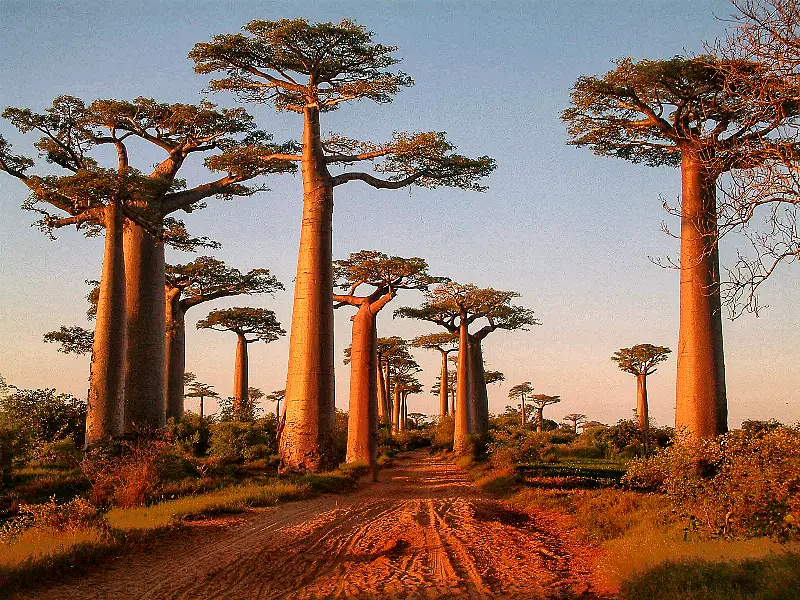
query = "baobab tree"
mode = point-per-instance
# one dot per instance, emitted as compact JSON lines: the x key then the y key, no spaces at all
{"x":451,"y":386}
{"x":518,"y":392}
{"x":410,"y":385}
{"x":445,"y":343}
{"x":277,"y":397}
{"x":129,"y":349}
{"x":310,"y":69}
{"x":641,"y":360}
{"x":540,"y":401}
{"x":385,"y":275}
{"x":403,"y":369}
{"x":187,"y":285}
{"x":197,"y":389}
{"x":685,"y":112}
{"x":575,"y":419}
{"x":455,"y":306}
{"x":250,"y":325}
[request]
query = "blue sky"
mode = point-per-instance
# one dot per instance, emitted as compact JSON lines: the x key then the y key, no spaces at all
{"x":573,"y":233}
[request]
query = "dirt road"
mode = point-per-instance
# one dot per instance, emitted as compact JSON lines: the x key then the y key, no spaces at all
{"x":423,"y":532}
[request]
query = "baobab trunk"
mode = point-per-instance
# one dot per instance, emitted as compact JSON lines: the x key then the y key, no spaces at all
{"x":396,"y":406}
{"x":105,"y":417}
{"x":480,"y":393}
{"x":452,"y":402}
{"x":701,"y":406}
{"x":641,"y":402}
{"x":176,"y":354}
{"x":240,"y":376}
{"x":405,"y":412}
{"x":387,"y":376}
{"x":539,"y":418}
{"x":463,"y":427}
{"x":202,"y":399}
{"x":307,"y":442}
{"x":145,"y":379}
{"x":383,"y":403}
{"x":443,"y":387}
{"x":362,"y":423}
{"x":524,"y":417}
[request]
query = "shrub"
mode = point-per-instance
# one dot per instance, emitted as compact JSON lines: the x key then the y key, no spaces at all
{"x":235,"y":441}
{"x":45,"y":416}
{"x":14,"y":443}
{"x":192,"y":433}
{"x":444,"y":433}
{"x":744,"y":483}
{"x":60,"y":454}
{"x":50,"y":516}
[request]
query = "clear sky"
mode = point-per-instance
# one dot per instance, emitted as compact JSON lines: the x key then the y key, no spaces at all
{"x":572,"y":232}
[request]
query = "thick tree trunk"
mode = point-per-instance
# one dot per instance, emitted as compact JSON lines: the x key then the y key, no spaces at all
{"x":176,"y":354}
{"x":240,"y":376}
{"x":277,"y":410}
{"x":396,"y":406}
{"x":444,"y":389}
{"x":405,"y":412}
{"x":362,"y":423}
{"x":452,"y":402}
{"x":480,"y":393}
{"x":641,"y":402}
{"x":524,"y":417}
{"x":701,"y":405}
{"x":539,"y":418}
{"x":383,"y":400}
{"x":463,"y":426}
{"x":202,"y":399}
{"x":308,"y":441}
{"x":105,"y":417}
{"x":145,"y":379}
{"x":387,"y":376}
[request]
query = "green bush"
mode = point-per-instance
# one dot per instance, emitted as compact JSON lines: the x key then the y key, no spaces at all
{"x":14,"y":443}
{"x":62,"y":454}
{"x":235,"y":441}
{"x":744,"y":483}
{"x":191,"y":433}
{"x":45,"y":416}
{"x":443,"y":434}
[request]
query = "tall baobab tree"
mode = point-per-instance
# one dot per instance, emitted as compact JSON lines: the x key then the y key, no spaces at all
{"x":540,"y":401}
{"x":518,"y":392}
{"x":197,"y":389}
{"x":390,"y":349}
{"x":250,"y":325}
{"x":445,"y":343}
{"x":575,"y":420}
{"x":641,"y":360}
{"x":451,"y":386}
{"x":409,"y":385}
{"x":310,"y":69}
{"x":133,"y":206}
{"x":455,"y":307}
{"x":277,"y":397}
{"x":403,"y":370}
{"x":385,"y":275}
{"x":685,"y":112}
{"x":202,"y":280}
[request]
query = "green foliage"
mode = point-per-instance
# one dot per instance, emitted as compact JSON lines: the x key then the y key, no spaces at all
{"x":773,"y":577}
{"x":14,"y":445}
{"x":44,"y":416}
{"x":743,"y":483}
{"x":260,"y":323}
{"x":248,"y":410}
{"x":627,"y":440}
{"x":63,"y":454}
{"x":236,"y":441}
{"x":640,"y":359}
{"x":73,"y":340}
{"x":191,"y":433}
{"x":443,"y":434}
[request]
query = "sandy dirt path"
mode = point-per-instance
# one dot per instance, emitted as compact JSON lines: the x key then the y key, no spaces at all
{"x":424,"y":531}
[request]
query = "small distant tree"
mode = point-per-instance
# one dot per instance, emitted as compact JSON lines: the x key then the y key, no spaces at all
{"x":311,"y":69}
{"x":540,"y":401}
{"x":518,"y":392}
{"x":277,"y":397}
{"x":197,"y":389}
{"x":385,"y":275}
{"x":445,"y":343}
{"x":575,"y":420}
{"x":187,"y":285}
{"x":641,"y":361}
{"x":455,"y":307}
{"x":451,"y":386}
{"x":250,"y":325}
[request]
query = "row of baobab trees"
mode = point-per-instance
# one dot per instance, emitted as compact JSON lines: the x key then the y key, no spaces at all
{"x":708,"y":115}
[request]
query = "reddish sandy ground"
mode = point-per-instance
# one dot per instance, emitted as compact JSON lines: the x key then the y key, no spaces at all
{"x":423,"y":532}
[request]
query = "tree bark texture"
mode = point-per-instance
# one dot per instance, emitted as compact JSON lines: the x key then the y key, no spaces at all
{"x":383,"y":404}
{"x":641,"y":402}
{"x":307,"y":443}
{"x":145,"y":379}
{"x":539,"y":418}
{"x":701,"y":405}
{"x":240,"y":376}
{"x":396,"y":408}
{"x":524,"y":417}
{"x":176,"y":353}
{"x":444,"y":388}
{"x":463,"y":425}
{"x":480,"y":393}
{"x":105,"y":417}
{"x":362,"y":423}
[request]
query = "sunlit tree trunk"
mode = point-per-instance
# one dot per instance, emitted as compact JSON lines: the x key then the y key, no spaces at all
{"x":387,"y":376}
{"x":176,"y":353}
{"x":145,"y":379}
{"x":539,"y":418}
{"x":444,"y":388}
{"x":383,"y":400}
{"x":240,"y":376}
{"x":105,"y":417}
{"x":480,"y":394}
{"x":362,"y":423}
{"x":202,"y":399}
{"x":452,"y":401}
{"x":641,"y":402}
{"x":396,"y":407}
{"x":405,"y":412}
{"x":307,"y":442}
{"x":701,"y":405}
{"x":524,"y":417}
{"x":463,"y":426}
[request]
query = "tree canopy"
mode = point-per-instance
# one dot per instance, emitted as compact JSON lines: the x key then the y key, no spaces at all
{"x":640,"y":359}
{"x":256,"y":324}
